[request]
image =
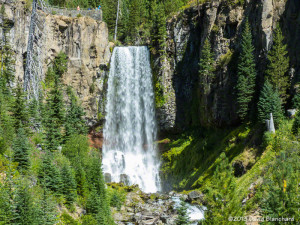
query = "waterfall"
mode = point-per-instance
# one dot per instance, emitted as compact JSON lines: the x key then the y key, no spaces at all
{"x":129,"y":150}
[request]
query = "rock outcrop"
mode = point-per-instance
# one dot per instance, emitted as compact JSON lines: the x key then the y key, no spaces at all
{"x":83,"y":39}
{"x":186,"y":103}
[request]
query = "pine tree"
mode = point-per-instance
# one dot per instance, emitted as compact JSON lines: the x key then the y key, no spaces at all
{"x":54,"y":106}
{"x":74,"y":122}
{"x":246,"y":73}
{"x":47,"y":213}
{"x":93,"y":202}
{"x":183,"y":218}
{"x":20,"y":110}
{"x":25,"y":209}
{"x":269,"y":102}
{"x":21,"y":149}
{"x":278,"y":65}
{"x":69,"y":184}
{"x":98,"y":192}
{"x":49,"y":175}
{"x":81,"y":182}
{"x":206,"y":71}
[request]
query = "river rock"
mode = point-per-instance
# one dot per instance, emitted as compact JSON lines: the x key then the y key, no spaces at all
{"x":124,"y":178}
{"x":107,"y":177}
{"x":195,"y":195}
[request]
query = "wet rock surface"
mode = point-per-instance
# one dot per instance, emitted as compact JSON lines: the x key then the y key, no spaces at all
{"x":150,"y":209}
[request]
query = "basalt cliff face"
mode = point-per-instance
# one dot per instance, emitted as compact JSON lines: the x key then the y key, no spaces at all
{"x":83,"y":39}
{"x":185,"y":102}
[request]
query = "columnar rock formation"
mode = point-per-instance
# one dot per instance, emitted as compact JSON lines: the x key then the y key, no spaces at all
{"x":83,"y":39}
{"x":185,"y":102}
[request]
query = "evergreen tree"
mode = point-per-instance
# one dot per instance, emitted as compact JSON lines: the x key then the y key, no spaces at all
{"x":278,"y":65}
{"x":93,"y":202}
{"x":25,"y":210}
{"x":82,"y":187}
{"x":21,"y":149}
{"x":74,"y":123}
{"x":20,"y":110}
{"x":269,"y":102}
{"x":246,"y":73}
{"x":206,"y":71}
{"x":98,"y":189}
{"x":47,"y":213}
{"x":55,"y":107}
{"x":221,"y":195}
{"x":183,"y":218}
{"x":49,"y":174}
{"x":69,"y":184}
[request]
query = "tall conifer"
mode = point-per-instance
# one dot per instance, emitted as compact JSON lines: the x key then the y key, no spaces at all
{"x":278,"y":65}
{"x":246,"y":73}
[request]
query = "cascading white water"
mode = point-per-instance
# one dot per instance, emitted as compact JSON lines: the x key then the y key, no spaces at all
{"x":129,"y":148}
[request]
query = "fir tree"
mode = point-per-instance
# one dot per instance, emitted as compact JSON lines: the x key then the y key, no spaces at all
{"x":183,"y":218}
{"x":74,"y":122}
{"x":206,"y":71}
{"x":47,"y":213}
{"x":20,"y":110}
{"x":246,"y":73}
{"x":269,"y":102}
{"x":24,"y":206}
{"x":55,"y":107}
{"x":21,"y":149}
{"x":278,"y":65}
{"x":49,"y":175}
{"x":69,"y":184}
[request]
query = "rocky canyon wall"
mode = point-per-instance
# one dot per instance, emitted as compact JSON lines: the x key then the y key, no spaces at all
{"x":83,"y":39}
{"x":185,"y":103}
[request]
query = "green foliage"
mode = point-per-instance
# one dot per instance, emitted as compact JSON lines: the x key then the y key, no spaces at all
{"x":269,"y":102}
{"x":74,"y":122}
{"x":67,"y":219}
{"x":20,"y":109}
{"x":21,"y":149}
{"x":220,"y":196}
{"x":7,"y":72}
{"x":54,"y":110}
{"x":246,"y":73}
{"x":49,"y":175}
{"x":296,"y":124}
{"x":296,"y":100}
{"x":279,"y":194}
{"x":206,"y":71}
{"x":278,"y":65}
{"x":69,"y":184}
{"x":183,"y":218}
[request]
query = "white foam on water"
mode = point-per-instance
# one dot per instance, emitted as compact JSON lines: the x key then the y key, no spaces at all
{"x":130,"y":129}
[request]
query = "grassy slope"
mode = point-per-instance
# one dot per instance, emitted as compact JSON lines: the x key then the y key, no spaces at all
{"x":190,"y":160}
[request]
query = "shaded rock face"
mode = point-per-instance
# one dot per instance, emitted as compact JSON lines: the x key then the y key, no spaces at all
{"x":84,"y":40}
{"x":186,"y":102}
